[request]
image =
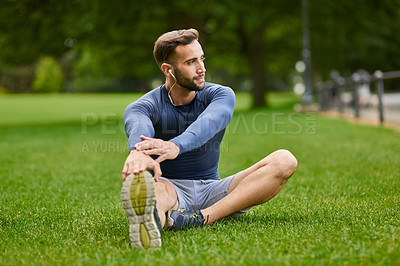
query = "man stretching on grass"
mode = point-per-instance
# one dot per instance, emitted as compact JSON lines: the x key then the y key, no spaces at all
{"x":175,"y":130}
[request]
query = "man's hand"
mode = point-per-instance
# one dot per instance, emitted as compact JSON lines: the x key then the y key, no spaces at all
{"x":137,"y":162}
{"x":166,"y":150}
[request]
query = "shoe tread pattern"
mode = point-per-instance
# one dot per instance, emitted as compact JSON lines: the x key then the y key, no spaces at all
{"x":138,"y":199}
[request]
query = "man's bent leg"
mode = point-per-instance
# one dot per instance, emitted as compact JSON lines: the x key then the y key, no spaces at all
{"x":167,"y":199}
{"x":255,"y":185}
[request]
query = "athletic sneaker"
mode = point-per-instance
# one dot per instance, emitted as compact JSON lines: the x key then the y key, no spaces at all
{"x":138,"y":197}
{"x":182,"y":219}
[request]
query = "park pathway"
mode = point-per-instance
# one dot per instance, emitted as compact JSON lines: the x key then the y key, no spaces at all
{"x":370,"y":115}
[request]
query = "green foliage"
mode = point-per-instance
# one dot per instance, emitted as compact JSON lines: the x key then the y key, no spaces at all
{"x":49,"y":76}
{"x":60,"y":201}
{"x":253,"y":39}
{"x":30,"y":29}
{"x":351,"y":35}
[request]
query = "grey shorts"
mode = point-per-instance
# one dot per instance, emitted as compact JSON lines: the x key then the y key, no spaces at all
{"x":200,"y":194}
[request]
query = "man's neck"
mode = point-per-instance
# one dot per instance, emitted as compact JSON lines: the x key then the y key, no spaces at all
{"x":180,"y":95}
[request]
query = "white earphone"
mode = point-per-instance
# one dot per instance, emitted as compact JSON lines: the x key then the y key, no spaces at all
{"x":169,"y":92}
{"x":169,"y":70}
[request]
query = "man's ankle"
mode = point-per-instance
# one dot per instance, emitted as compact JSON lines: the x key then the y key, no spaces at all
{"x":206,"y":216}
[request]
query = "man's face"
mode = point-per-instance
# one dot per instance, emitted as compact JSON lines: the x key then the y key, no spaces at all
{"x":189,"y":66}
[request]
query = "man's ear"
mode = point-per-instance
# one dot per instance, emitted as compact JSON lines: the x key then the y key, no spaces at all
{"x":165,"y":67}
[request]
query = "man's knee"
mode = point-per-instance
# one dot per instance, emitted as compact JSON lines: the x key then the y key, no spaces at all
{"x":166,"y":195}
{"x":285,"y":162}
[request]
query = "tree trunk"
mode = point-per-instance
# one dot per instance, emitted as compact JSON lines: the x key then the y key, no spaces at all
{"x":254,"y":49}
{"x":256,"y":58}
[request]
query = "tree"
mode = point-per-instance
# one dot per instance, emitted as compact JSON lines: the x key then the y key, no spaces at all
{"x":255,"y":39}
{"x":252,"y":33}
{"x":349,"y":35}
{"x":30,"y":29}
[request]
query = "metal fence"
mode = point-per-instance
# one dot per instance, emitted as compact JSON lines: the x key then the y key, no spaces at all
{"x":354,"y":91}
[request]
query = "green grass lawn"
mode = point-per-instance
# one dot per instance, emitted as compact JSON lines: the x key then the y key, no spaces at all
{"x":60,"y":167}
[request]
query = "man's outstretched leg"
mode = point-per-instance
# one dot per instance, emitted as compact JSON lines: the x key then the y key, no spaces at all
{"x":255,"y":185}
{"x":145,"y":203}
{"x":138,"y":195}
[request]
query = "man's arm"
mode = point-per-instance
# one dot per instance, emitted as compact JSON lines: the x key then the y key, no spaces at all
{"x":138,"y":121}
{"x":213,"y":119}
{"x":139,"y":117}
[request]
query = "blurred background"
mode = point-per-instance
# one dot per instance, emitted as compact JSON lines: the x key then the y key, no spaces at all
{"x":257,"y":46}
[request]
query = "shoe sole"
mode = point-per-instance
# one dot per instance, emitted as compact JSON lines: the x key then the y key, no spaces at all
{"x":138,"y":198}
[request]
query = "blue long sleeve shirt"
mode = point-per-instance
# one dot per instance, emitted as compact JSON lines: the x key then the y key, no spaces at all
{"x":196,"y":128}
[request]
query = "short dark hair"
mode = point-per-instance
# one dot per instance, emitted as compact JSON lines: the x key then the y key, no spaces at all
{"x":165,"y":45}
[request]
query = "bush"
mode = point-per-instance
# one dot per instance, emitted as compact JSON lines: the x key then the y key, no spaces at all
{"x":49,"y":76}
